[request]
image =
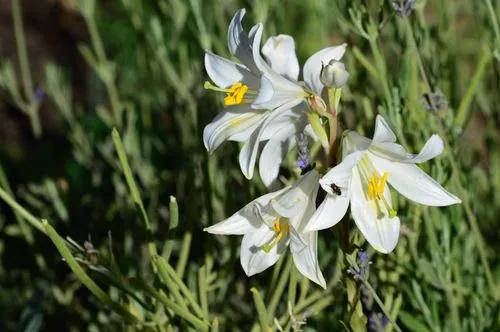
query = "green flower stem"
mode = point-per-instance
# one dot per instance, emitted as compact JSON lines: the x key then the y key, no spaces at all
{"x":280,"y":286}
{"x":84,"y":277}
{"x":292,"y":286}
{"x":374,"y":294}
{"x":202,"y":289}
{"x":264,"y":317}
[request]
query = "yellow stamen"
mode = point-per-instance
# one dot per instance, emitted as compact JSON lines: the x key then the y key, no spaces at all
{"x":281,"y":229}
{"x":376,"y":186}
{"x":235,"y":94}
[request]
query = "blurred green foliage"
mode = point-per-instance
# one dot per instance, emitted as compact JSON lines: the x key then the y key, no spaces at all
{"x":145,"y":270}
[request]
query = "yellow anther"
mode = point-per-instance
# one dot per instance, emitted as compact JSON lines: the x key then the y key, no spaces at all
{"x":281,"y":229}
{"x":376,"y":186}
{"x":235,"y":94}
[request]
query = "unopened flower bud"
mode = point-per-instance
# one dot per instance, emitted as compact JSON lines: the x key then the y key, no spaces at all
{"x":334,"y":74}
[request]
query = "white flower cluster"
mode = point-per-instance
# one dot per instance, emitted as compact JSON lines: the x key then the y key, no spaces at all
{"x":265,"y":102}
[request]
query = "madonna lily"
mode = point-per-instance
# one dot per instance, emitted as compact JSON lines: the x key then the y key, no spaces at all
{"x":241,"y":83}
{"x":273,"y":222}
{"x":280,"y":90}
{"x":363,"y":178}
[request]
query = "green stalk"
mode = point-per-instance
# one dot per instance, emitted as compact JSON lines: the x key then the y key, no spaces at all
{"x":173,"y":223}
{"x":109,"y":84}
{"x":160,"y":264}
{"x":202,"y":289}
{"x":184,"y":289}
{"x":264,"y":317}
{"x":25,"y":230}
{"x":184,"y":254}
{"x":31,"y":107}
{"x":134,"y":191}
{"x":494,"y":22}
{"x":177,"y":309}
{"x":374,"y":294}
{"x":84,"y":277}
{"x":464,"y":109}
{"x":280,"y":286}
{"x":292,"y":286}
{"x":22,"y":211}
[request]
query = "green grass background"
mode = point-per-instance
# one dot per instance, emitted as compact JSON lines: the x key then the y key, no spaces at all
{"x":138,"y":67}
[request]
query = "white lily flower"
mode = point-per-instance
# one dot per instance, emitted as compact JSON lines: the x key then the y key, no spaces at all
{"x":362,"y":177}
{"x":281,"y":92}
{"x":240,"y":83}
{"x":273,"y":222}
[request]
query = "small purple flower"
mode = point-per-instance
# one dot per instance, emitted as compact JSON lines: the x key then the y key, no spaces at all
{"x":302,"y":163}
{"x":39,"y":94}
{"x":362,"y":256}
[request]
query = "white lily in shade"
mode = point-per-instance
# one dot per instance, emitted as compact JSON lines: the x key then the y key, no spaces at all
{"x":363,"y":178}
{"x":273,"y":222}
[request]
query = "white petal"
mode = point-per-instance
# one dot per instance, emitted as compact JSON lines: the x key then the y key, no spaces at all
{"x":275,"y":89}
{"x":225,"y":73}
{"x":231,"y":121}
{"x":279,"y":52}
{"x":253,"y":259}
{"x":354,"y":142}
{"x":248,"y":219}
{"x":234,"y":225}
{"x":414,"y":183}
{"x":240,"y":45}
{"x":292,"y":118}
{"x":340,"y":175}
{"x":293,"y":204}
{"x":248,"y":153}
{"x":329,"y":213}
{"x":378,"y":229}
{"x":273,"y":153}
{"x":392,"y":151}
{"x":313,"y":65}
{"x":305,"y":257}
{"x":383,"y":132}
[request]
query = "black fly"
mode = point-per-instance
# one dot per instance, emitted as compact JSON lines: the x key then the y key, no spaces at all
{"x":336,"y":189}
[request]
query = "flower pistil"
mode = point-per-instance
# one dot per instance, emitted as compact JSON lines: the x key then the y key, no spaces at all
{"x":281,"y":230}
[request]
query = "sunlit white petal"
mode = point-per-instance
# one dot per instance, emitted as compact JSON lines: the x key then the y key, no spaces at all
{"x":305,"y":258}
{"x":413,"y":183}
{"x":329,"y":213}
{"x":381,"y":231}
